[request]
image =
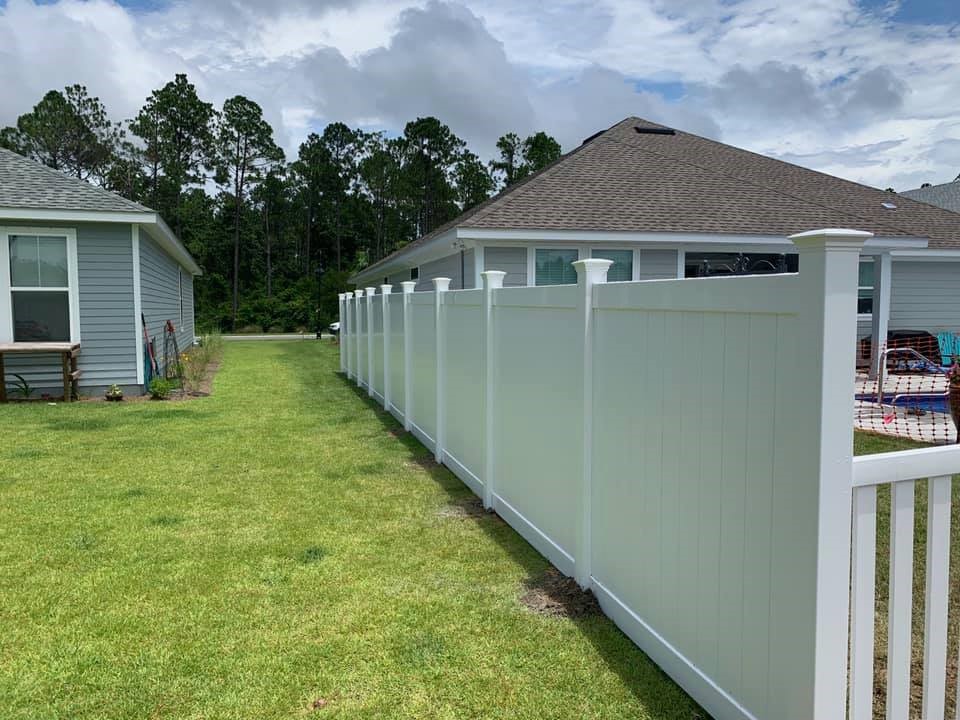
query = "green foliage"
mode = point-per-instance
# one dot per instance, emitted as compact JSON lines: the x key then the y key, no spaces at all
{"x":278,"y":241}
{"x":68,"y":131}
{"x":114,"y":392}
{"x":21,"y":387}
{"x":160,"y":388}
{"x":520,"y":159}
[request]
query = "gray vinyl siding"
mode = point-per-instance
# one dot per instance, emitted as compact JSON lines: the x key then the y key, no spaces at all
{"x":925,"y":296}
{"x":448,"y":267}
{"x":160,"y":295}
{"x":108,"y":352}
{"x":658,"y":264}
{"x":511,"y":260}
{"x":398,"y":278}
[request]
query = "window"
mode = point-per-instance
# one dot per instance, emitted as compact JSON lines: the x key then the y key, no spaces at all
{"x":712,"y":264}
{"x":415,"y":273}
{"x":622,"y":268}
{"x":555,"y":267}
{"x":865,"y":288}
{"x":39,"y":288}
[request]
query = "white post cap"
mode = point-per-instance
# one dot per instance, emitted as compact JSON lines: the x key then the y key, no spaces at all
{"x":441,"y":284}
{"x":592,"y":270}
{"x":386,"y":289}
{"x":838,"y":238}
{"x":408,"y":286}
{"x":371,"y":291}
{"x":493,"y":279}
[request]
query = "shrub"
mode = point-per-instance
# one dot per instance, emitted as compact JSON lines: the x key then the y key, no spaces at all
{"x":160,"y":388}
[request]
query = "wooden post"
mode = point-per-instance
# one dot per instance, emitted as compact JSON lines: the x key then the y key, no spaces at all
{"x":492,"y":280}
{"x":589,"y":273}
{"x":408,"y":288}
{"x":440,"y":286}
{"x":385,"y":291}
{"x":65,"y":365}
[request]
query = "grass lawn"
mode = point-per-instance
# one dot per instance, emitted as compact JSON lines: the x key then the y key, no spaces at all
{"x":248,"y":554}
{"x":865,"y":444}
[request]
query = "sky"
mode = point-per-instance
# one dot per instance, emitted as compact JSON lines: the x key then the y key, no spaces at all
{"x":865,"y":89}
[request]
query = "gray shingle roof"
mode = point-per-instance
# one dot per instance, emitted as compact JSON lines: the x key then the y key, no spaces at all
{"x":623,"y":180}
{"x":30,"y":185}
{"x":946,"y":196}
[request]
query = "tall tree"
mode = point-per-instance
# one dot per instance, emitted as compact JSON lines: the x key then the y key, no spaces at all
{"x":520,"y":159}
{"x":68,"y":131}
{"x":474,"y":183}
{"x":343,"y":147}
{"x":380,"y":179}
{"x":539,"y":150}
{"x":510,"y":164}
{"x":431,"y":154}
{"x":245,"y":151}
{"x":176,"y":127}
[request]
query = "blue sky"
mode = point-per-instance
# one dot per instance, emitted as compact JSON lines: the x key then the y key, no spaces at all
{"x":864,"y":89}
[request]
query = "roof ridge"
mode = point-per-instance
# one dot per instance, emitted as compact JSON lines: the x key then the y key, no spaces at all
{"x":135,"y":206}
{"x":481,"y":209}
{"x":769,"y":188}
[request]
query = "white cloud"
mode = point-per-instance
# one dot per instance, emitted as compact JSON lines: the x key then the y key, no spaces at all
{"x":823,"y":83}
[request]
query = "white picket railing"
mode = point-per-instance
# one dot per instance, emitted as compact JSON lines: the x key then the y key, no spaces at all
{"x":683,"y":448}
{"x":901,"y":471}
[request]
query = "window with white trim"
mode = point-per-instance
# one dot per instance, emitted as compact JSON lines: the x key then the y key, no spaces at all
{"x":555,"y":267}
{"x":622,"y":268}
{"x":865,"y":287}
{"x":39,"y":287}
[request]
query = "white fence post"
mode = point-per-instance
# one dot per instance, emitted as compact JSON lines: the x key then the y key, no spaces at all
{"x":589,"y":273}
{"x":342,"y":304}
{"x":358,"y":323}
{"x":492,"y":280}
{"x":385,"y":300}
{"x":346,"y":327}
{"x":440,"y":286}
{"x":369,"y":296}
{"x":829,"y":261}
{"x":408,"y":287}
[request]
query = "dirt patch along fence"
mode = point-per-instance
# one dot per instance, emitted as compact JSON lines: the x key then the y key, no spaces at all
{"x":682,"y":448}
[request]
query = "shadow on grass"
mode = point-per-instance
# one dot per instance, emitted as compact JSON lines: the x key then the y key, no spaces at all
{"x":639,"y":673}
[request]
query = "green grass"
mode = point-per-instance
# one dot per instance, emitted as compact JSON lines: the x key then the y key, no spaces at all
{"x":866,"y":444}
{"x":243,"y":555}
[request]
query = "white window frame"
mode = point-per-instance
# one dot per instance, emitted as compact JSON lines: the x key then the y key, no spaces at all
{"x":860,"y":287}
{"x":73,"y":289}
{"x":583,"y":252}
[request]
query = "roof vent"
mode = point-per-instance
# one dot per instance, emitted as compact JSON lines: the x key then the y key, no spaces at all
{"x":646,"y":130}
{"x":889,"y":205}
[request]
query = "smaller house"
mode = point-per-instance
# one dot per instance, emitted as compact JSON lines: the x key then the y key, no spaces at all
{"x":81,"y":265}
{"x":945,"y":195}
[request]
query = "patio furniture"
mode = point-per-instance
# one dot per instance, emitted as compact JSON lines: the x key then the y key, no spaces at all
{"x":948,"y":347}
{"x":67,"y":351}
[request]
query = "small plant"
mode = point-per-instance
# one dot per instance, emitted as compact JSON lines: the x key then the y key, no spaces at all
{"x":114,"y":393}
{"x":160,"y":388}
{"x":22,"y":387}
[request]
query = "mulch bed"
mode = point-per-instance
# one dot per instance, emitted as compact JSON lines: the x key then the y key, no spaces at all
{"x":554,"y":595}
{"x":179,"y":395}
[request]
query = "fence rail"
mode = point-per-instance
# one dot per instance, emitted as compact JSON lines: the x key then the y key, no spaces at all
{"x":683,"y":448}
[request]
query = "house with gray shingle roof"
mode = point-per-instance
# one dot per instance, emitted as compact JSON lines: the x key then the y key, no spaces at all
{"x":945,"y":195}
{"x":662,"y":203}
{"x":82,"y":265}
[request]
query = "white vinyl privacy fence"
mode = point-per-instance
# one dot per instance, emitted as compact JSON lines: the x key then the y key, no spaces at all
{"x":680,"y":447}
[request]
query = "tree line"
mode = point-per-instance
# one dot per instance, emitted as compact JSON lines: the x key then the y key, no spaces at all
{"x":276,"y":238}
